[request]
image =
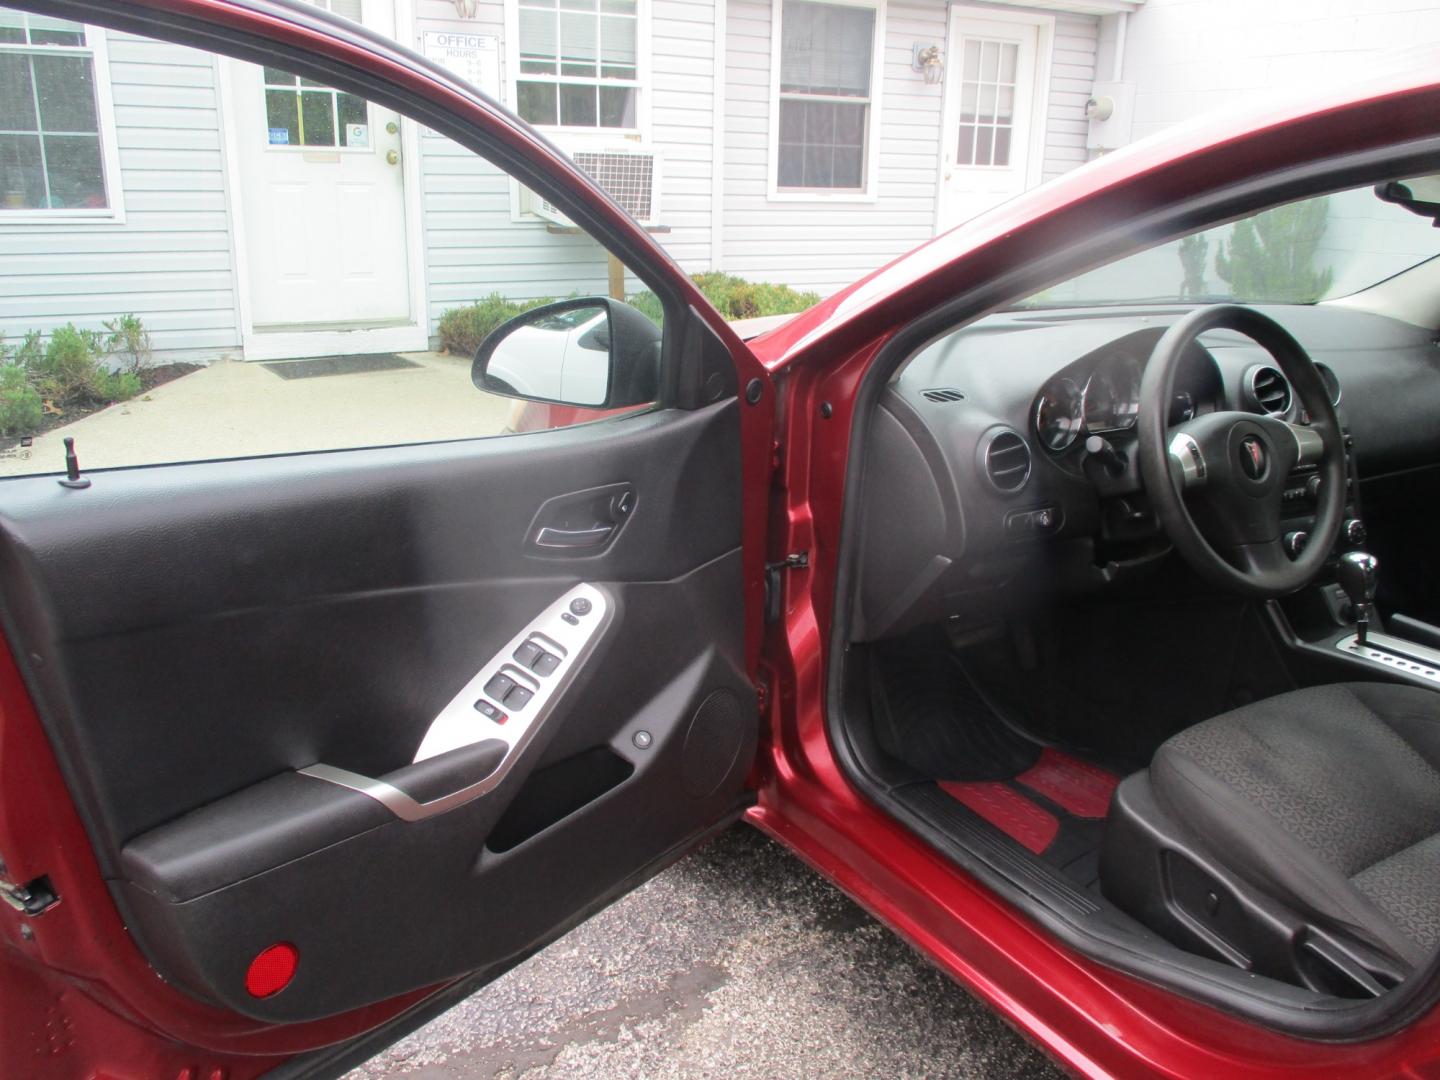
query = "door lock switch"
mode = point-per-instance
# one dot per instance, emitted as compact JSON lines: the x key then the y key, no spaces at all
{"x":489,"y":711}
{"x":518,"y":698}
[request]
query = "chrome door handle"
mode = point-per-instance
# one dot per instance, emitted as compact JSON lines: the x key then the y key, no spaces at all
{"x":551,"y":537}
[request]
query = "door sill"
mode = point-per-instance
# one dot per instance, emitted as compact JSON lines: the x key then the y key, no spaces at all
{"x":296,"y":342}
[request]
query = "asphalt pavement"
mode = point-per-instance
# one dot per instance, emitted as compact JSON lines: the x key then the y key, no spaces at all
{"x":738,"y":962}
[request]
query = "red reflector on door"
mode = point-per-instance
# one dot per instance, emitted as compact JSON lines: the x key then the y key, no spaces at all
{"x":272,"y":970}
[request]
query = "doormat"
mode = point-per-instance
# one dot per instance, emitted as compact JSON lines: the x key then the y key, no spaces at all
{"x":338,"y":365}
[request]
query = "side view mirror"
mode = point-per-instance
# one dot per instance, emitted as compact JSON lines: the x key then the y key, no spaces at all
{"x":1419,"y":194}
{"x":592,"y":352}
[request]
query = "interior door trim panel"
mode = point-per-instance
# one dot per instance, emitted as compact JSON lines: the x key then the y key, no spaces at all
{"x":198,"y":638}
{"x":507,"y":701}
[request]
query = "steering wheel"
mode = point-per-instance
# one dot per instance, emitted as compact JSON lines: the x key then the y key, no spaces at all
{"x":1217,"y":481}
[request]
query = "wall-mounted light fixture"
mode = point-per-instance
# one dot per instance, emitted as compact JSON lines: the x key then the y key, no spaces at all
{"x":466,"y":8}
{"x":925,"y":58}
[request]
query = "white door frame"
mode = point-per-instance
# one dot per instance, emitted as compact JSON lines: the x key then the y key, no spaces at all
{"x":413,"y":336}
{"x":1040,"y":94}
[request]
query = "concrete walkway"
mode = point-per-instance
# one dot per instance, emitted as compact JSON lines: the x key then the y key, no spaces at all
{"x":238,"y":409}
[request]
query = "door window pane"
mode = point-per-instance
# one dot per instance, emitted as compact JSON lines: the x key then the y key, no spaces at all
{"x":987,"y":102}
{"x":301,"y":112}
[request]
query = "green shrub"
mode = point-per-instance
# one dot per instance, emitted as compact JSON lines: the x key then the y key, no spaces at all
{"x":129,"y":341}
{"x":736,"y":298}
{"x":71,"y":369}
{"x":19,"y":402}
{"x":462,"y":329}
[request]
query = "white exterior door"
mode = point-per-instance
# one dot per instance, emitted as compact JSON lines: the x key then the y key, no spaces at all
{"x":322,"y":194}
{"x":993,"y":112}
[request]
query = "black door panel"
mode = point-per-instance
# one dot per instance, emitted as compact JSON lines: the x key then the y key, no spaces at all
{"x":194,"y":635}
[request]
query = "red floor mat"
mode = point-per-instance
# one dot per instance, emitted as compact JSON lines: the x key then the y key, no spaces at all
{"x":1008,"y":810}
{"x":1077,"y":786}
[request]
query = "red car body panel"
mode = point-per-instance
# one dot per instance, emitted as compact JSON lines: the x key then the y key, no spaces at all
{"x":81,"y":1000}
{"x":1096,"y":1020}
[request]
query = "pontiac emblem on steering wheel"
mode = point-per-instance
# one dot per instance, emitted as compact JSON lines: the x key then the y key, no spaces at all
{"x":1252,"y":457}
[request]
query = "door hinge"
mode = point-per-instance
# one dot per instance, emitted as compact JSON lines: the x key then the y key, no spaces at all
{"x":796,"y":561}
{"x":29,"y":899}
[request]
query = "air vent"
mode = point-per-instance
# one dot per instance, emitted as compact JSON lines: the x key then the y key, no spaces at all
{"x":1007,"y":461}
{"x":1331,"y":381}
{"x":1270,"y":390}
{"x":942,"y":395}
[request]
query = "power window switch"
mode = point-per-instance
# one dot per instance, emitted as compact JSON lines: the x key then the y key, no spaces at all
{"x":518,"y":698}
{"x":499,"y":686}
{"x":485,"y":709}
{"x":545,"y":664}
{"x":527,"y":653}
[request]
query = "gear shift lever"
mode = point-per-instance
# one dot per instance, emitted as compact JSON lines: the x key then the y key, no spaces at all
{"x":1358,"y":574}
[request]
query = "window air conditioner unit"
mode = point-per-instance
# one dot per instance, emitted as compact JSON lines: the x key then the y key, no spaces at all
{"x":630,"y":175}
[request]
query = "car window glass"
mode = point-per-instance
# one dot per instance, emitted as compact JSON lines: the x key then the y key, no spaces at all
{"x":214,"y":259}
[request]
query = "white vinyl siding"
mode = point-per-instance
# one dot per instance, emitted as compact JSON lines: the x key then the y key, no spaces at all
{"x":169,"y":262}
{"x":1072,"y":78}
{"x":812,"y":244}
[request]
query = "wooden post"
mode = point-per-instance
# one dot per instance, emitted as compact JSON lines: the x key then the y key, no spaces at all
{"x":617,"y":277}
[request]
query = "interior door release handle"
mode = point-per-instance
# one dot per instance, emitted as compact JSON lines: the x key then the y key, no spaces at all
{"x":551,"y":537}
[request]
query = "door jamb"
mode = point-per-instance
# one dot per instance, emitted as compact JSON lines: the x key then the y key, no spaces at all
{"x":413,"y":336}
{"x":1040,"y":93}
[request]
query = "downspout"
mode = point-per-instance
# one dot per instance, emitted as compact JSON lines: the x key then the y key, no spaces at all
{"x":717,"y":146}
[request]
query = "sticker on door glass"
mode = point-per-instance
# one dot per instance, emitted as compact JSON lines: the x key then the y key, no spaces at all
{"x":357,"y":135}
{"x":279,"y":136}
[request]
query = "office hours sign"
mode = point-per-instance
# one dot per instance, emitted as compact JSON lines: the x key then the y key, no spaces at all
{"x":473,"y":57}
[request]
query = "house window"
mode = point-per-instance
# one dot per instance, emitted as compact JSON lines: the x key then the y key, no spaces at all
{"x":827,"y":65}
{"x":55,"y":149}
{"x":579,"y":63}
{"x":987,"y":102}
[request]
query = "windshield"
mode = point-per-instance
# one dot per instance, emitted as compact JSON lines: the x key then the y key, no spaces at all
{"x":1298,"y":253}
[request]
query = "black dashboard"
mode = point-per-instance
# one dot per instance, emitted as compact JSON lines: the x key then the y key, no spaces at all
{"x":1001,"y":462}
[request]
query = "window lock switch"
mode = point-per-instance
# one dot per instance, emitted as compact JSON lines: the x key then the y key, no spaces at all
{"x":485,"y":709}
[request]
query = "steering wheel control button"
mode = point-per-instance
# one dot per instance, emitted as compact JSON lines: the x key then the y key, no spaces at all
{"x":527,"y":653}
{"x":1185,"y":451}
{"x":580,"y":606}
{"x":499,"y":686}
{"x":490,"y":712}
{"x":545,"y":664}
{"x":518,"y":698}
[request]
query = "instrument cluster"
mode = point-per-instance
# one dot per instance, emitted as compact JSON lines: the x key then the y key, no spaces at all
{"x":1105,"y":400}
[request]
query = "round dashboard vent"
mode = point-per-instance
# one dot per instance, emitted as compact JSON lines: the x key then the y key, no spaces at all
{"x":1270,"y":390}
{"x":1007,"y":460}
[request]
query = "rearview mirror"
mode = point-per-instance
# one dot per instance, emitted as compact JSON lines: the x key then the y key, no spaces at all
{"x":592,"y":352}
{"x":1419,"y":194}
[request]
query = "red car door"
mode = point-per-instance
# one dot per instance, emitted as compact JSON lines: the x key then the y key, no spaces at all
{"x":216,"y":674}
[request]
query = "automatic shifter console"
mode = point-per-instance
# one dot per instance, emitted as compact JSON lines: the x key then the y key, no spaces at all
{"x":1358,"y":574}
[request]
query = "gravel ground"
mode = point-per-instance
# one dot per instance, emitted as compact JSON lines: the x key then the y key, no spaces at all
{"x":737,"y":962}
